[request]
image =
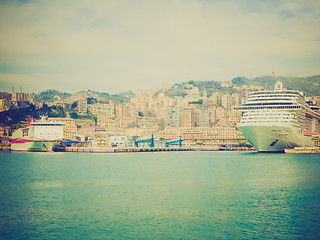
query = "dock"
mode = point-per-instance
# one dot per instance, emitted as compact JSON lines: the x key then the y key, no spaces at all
{"x":123,"y":150}
{"x":303,"y":150}
{"x":150,"y":149}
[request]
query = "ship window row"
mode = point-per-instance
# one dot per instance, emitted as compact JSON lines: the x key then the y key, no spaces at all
{"x":45,"y":125}
{"x":257,"y":113}
{"x":275,"y":94}
{"x":246,"y":118}
{"x":49,"y":133}
{"x":257,"y":104}
{"x":265,"y":116}
{"x":262,"y":121}
{"x":244,"y":108}
{"x":270,"y":99}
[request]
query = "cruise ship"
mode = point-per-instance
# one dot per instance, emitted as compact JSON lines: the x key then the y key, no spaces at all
{"x":280,"y":119}
{"x":38,"y":136}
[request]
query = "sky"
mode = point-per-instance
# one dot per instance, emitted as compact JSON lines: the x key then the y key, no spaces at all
{"x":115,"y":46}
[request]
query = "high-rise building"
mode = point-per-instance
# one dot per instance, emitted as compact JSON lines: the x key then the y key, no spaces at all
{"x":187,"y":118}
{"x":204,"y":117}
{"x":172,"y":117}
{"x":226,"y":100}
{"x":236,"y":99}
{"x":82,"y":105}
{"x":216,"y":98}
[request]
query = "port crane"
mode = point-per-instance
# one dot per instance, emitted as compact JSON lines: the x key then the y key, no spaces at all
{"x":175,"y":141}
{"x":150,"y":140}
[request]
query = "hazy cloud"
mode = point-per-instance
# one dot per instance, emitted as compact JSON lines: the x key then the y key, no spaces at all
{"x":118,"y":45}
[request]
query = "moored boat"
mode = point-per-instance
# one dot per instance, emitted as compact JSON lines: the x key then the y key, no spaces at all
{"x":280,"y":119}
{"x":38,"y":136}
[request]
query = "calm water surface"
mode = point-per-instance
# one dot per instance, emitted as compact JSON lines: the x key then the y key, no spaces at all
{"x":167,"y":195}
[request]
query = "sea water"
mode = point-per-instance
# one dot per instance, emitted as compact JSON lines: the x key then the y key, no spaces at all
{"x":163,"y":195}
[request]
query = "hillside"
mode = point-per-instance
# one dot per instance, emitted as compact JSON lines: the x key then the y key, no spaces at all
{"x":308,"y":85}
{"x":102,"y":97}
{"x":51,"y":96}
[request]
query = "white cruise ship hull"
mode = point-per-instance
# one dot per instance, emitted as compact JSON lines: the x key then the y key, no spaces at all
{"x":274,"y":139}
{"x":33,"y":146}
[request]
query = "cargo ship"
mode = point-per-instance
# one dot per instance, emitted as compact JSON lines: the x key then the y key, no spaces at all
{"x":38,"y":136}
{"x":279,"y":119}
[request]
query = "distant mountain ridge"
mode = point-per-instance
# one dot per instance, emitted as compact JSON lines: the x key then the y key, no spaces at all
{"x":51,"y":96}
{"x":54,"y":95}
{"x":309,"y":85}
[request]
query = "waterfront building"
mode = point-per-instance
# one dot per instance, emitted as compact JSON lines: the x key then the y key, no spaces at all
{"x":116,"y":131}
{"x":86,"y":130}
{"x":100,"y":137}
{"x":192,"y":133}
{"x":135,"y":131}
{"x":169,"y":133}
{"x":120,"y":141}
{"x":5,"y":131}
{"x":218,"y":134}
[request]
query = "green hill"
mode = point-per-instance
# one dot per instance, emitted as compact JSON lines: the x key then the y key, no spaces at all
{"x":51,"y":96}
{"x":308,"y":85}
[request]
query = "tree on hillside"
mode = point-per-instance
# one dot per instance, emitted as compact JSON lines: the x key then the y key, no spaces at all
{"x":239,"y":81}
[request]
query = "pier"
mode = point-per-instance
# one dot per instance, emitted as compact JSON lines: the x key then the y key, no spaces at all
{"x":123,"y":150}
{"x":151,"y":149}
{"x":303,"y":150}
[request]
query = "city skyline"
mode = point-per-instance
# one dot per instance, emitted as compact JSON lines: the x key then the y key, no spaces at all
{"x":117,"y":46}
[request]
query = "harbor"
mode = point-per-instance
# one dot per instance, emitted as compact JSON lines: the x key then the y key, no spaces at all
{"x":123,"y":150}
{"x":150,"y":149}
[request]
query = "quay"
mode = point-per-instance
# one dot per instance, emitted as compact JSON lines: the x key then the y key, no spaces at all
{"x":123,"y":150}
{"x":303,"y":150}
{"x":151,"y":149}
